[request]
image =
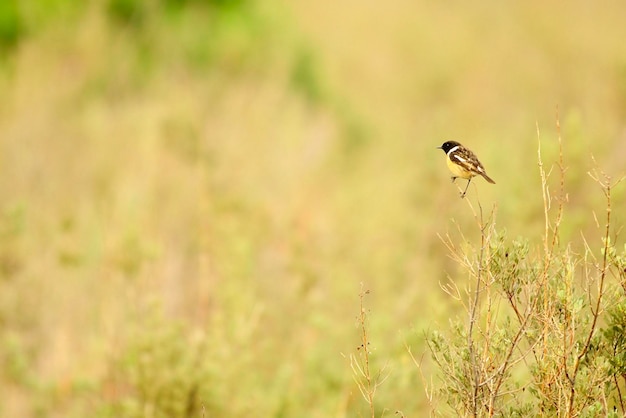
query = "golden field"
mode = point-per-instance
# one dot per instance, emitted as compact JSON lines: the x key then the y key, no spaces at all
{"x":193,"y":193}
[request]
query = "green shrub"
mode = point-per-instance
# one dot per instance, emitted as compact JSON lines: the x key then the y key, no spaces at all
{"x":12,"y":27}
{"x":165,"y":371}
{"x":129,"y":12}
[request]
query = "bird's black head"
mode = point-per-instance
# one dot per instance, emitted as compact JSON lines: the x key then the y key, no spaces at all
{"x":448,"y":145}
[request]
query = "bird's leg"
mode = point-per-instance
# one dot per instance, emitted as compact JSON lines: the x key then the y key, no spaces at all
{"x":465,"y":191}
{"x":454,"y":178}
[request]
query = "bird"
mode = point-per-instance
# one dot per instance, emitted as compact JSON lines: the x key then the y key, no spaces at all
{"x":463,"y":163}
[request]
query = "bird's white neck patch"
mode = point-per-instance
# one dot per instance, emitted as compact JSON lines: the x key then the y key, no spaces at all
{"x":453,"y":149}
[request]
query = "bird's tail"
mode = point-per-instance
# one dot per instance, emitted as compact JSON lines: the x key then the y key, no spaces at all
{"x":489,"y":179}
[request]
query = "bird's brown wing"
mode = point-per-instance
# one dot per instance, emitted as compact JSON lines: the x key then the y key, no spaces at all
{"x":468,"y":160}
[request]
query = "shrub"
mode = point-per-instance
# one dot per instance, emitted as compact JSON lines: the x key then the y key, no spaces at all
{"x":12,"y":27}
{"x":544,"y":332}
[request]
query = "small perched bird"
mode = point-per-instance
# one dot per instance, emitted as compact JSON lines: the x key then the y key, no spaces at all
{"x":463,"y":163}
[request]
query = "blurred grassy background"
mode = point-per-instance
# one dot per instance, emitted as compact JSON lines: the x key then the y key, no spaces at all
{"x":192,"y":191}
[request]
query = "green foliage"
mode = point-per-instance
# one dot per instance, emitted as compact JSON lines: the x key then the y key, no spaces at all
{"x":16,"y":364}
{"x":129,"y":12}
{"x":12,"y":25}
{"x":614,"y":343}
{"x":305,"y":76}
{"x":12,"y":229}
{"x":218,"y":4}
{"x":166,"y":372}
{"x":511,"y":264}
{"x":227,"y":36}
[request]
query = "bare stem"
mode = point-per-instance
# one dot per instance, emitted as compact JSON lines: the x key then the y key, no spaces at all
{"x":606,"y":185}
{"x":361,"y":367}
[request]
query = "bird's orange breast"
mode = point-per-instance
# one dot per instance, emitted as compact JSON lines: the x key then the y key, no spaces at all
{"x":459,"y":171}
